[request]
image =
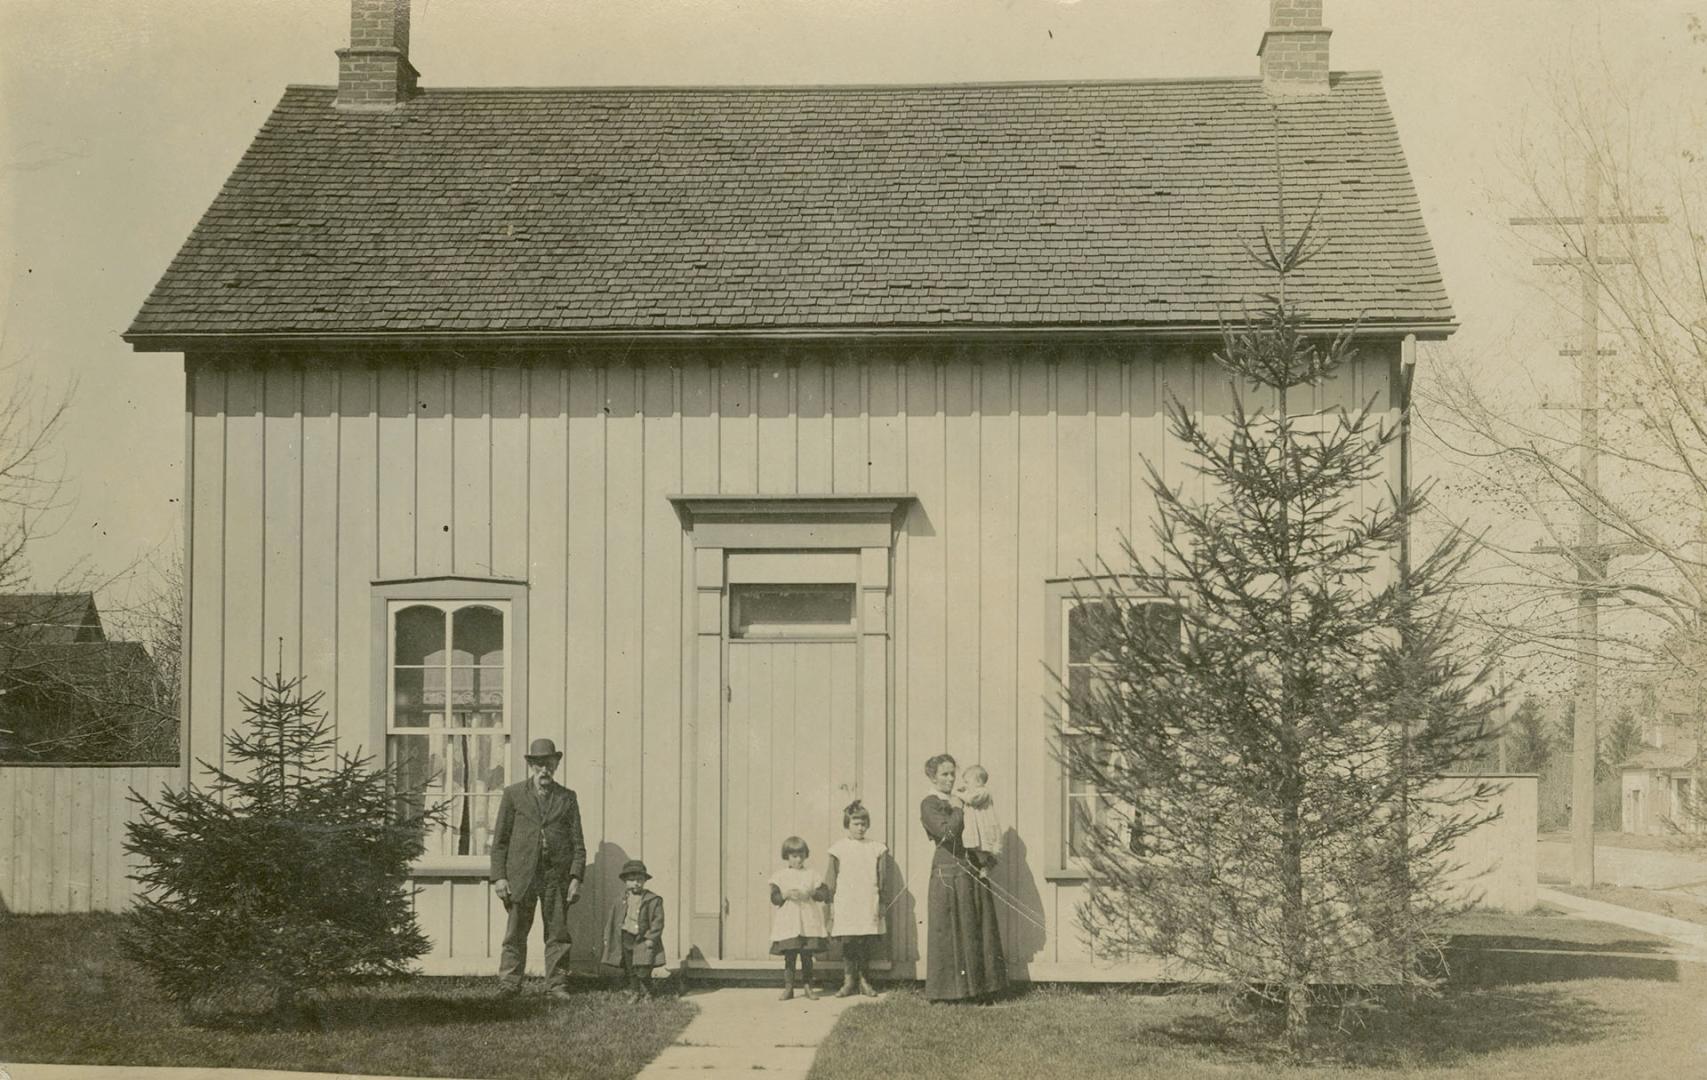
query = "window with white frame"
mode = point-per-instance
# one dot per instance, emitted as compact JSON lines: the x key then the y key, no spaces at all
{"x":449,"y":721}
{"x":1085,"y":664}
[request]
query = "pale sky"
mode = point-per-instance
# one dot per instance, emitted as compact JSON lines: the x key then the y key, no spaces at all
{"x":119,"y":120}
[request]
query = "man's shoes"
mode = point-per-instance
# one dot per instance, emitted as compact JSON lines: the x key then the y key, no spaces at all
{"x":561,"y":993}
{"x":509,"y":990}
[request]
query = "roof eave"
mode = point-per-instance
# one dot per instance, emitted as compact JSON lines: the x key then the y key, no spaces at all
{"x":1423,"y":329}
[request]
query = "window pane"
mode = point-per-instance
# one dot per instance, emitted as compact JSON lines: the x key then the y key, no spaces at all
{"x":470,"y":824}
{"x":477,"y":697}
{"x":1164,"y":619}
{"x":412,"y":756}
{"x":477,"y":634}
{"x":410,"y":696}
{"x":1078,"y":783}
{"x":791,"y":610}
{"x":476,"y":763}
{"x":420,"y":636}
{"x":476,"y":780}
{"x":1081,"y":816}
{"x":1084,"y":623}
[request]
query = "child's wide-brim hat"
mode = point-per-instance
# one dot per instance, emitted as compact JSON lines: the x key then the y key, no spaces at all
{"x":634,"y":868}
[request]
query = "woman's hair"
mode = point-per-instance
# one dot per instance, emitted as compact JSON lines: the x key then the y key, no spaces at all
{"x":934,"y":762}
{"x":977,"y":774}
{"x":795,"y":846}
{"x":855,"y":811}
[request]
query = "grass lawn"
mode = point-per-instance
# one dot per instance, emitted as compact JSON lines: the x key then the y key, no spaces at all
{"x":67,"y":996}
{"x":1673,"y":904}
{"x":1508,"y":1013}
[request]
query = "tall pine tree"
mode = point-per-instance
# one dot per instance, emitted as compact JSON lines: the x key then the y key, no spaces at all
{"x":289,"y":872}
{"x":1261,"y":753}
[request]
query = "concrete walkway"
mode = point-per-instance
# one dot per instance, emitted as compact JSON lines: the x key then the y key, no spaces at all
{"x":1690,"y":938}
{"x":747,"y":1032}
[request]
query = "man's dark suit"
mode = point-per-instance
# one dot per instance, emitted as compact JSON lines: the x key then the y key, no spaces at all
{"x":537,"y":848}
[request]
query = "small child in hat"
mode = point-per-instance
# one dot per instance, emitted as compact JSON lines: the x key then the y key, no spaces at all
{"x":634,"y":934}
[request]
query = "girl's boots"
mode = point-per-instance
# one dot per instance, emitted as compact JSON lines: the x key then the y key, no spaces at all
{"x":806,"y":986}
{"x":788,"y":984}
{"x":865,"y":986}
{"x":849,"y":988}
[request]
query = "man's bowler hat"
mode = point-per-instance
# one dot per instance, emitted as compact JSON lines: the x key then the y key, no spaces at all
{"x":634,"y":868}
{"x":542,"y":748}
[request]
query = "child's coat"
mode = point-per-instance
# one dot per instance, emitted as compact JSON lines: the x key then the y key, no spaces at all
{"x":648,"y":943}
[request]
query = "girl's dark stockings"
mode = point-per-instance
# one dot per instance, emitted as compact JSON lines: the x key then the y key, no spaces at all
{"x":805,"y":975}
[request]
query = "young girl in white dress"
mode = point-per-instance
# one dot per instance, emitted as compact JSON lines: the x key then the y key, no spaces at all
{"x":855,"y":881}
{"x":797,"y":917}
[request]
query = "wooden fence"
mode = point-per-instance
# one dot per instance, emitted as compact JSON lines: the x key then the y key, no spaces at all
{"x":62,"y":832}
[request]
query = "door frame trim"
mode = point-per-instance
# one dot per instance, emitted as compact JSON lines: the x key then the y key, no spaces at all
{"x":715,"y":523}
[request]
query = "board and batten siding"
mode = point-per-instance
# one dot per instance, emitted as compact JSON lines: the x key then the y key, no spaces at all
{"x":313,"y":477}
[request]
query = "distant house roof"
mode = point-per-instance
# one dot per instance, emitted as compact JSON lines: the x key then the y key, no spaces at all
{"x":84,"y":664}
{"x":561,"y":211}
{"x":1671,"y":757}
{"x":49,"y":619}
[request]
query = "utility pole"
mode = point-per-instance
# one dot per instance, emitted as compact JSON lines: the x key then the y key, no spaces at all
{"x":1590,"y":557}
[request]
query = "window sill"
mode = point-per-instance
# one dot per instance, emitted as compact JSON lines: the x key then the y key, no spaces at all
{"x":1067,"y":875}
{"x":471,"y":867}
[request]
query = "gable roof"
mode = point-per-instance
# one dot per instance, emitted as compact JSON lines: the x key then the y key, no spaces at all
{"x":49,"y":619}
{"x":550,"y":211}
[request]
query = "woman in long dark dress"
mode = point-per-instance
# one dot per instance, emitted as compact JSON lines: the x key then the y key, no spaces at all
{"x":964,"y":938}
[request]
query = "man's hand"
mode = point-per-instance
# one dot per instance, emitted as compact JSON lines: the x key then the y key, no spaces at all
{"x":574,"y":889}
{"x":502,"y":888}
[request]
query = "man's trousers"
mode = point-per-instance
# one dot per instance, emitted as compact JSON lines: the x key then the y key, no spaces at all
{"x":553,"y":901}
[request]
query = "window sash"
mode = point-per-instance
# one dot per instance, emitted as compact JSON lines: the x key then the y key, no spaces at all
{"x":448,"y":755}
{"x":1082,"y":805}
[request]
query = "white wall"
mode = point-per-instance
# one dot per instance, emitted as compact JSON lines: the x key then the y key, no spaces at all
{"x":1495,"y":865}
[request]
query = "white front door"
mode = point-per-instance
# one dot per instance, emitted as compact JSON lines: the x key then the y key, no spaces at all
{"x":792,"y":746}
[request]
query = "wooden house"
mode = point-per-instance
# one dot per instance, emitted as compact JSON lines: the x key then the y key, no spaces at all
{"x":747,"y":441}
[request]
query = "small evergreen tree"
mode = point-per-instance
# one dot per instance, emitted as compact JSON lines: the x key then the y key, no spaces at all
{"x":1622,"y":741}
{"x":1530,"y":739}
{"x":288,"y":873}
{"x":1261,"y":753}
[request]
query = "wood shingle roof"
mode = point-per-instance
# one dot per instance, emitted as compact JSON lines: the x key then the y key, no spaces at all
{"x":539,"y":211}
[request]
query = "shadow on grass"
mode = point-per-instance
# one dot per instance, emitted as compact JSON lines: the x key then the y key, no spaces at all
{"x":1406,"y":1033}
{"x":1642,"y":944}
{"x":393,"y":1007}
{"x":1481,"y":967}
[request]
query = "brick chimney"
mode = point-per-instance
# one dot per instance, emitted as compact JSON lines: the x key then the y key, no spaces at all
{"x":374,"y":73}
{"x":1294,"y":49}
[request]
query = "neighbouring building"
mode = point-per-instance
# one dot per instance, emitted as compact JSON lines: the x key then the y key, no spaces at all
{"x":1659,"y":784}
{"x":69,"y":694}
{"x":746,"y":441}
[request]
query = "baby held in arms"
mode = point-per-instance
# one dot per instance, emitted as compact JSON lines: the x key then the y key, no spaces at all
{"x":982,"y":832}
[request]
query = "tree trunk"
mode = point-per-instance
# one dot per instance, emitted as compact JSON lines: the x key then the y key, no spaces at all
{"x":1297,"y":1015}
